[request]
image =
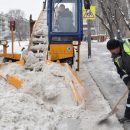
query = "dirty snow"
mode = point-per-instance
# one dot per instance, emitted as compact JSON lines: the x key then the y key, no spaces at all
{"x":42,"y":102}
{"x":45,"y":101}
{"x":38,"y":48}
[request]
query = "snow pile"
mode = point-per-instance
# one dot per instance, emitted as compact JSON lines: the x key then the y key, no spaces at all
{"x":21,"y":111}
{"x":51,"y":92}
{"x":33,"y":61}
{"x":38,"y":49}
{"x":30,"y":60}
{"x":45,"y":98}
{"x":39,"y":40}
{"x":41,"y":29}
{"x":42,"y":103}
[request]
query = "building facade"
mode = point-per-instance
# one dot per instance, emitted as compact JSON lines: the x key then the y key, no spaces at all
{"x":4,"y":27}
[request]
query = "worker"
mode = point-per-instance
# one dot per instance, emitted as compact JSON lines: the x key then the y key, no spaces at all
{"x":59,"y":12}
{"x":68,"y":12}
{"x":65,"y":19}
{"x":62,"y":8}
{"x":121,"y":56}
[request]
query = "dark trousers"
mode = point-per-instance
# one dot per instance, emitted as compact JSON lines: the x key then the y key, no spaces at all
{"x":127,"y":111}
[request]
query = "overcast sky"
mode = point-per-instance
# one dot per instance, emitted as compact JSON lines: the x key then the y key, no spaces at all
{"x":28,"y":6}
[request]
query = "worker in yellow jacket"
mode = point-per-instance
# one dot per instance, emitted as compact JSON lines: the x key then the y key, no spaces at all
{"x":121,"y":56}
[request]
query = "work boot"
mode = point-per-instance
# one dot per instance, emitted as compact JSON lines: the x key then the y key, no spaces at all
{"x":123,"y":120}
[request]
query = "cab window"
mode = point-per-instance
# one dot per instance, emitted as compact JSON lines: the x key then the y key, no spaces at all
{"x":64,"y":16}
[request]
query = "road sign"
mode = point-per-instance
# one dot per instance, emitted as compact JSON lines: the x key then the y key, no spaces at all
{"x":89,"y":14}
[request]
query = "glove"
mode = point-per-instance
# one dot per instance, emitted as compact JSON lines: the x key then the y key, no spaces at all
{"x":128,"y":85}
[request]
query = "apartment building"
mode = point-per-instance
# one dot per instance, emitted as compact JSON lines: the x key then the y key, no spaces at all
{"x":4,"y":27}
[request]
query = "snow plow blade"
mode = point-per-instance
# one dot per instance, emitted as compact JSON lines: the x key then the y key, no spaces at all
{"x":21,"y":62}
{"x":12,"y":80}
{"x":77,"y":85}
{"x":77,"y":88}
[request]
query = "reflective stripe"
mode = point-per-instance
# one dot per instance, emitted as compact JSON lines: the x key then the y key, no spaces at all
{"x":118,"y":63}
{"x":128,"y":105}
{"x":124,"y":76}
{"x":126,"y":46}
{"x":128,"y":42}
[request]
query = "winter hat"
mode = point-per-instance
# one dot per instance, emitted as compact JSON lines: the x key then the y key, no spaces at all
{"x":112,"y":44}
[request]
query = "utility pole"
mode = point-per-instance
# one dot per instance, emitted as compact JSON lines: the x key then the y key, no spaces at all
{"x":87,"y":5}
{"x":12,"y":29}
{"x":89,"y":38}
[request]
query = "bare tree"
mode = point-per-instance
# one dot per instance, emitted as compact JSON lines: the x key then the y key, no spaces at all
{"x":22,"y":25}
{"x":123,"y":15}
{"x":111,"y":17}
{"x":16,"y":13}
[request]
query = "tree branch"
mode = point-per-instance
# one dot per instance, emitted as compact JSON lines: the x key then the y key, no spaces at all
{"x":102,"y":21}
{"x":123,"y":15}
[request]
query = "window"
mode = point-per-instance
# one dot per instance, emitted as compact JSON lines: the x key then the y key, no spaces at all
{"x":64,"y":16}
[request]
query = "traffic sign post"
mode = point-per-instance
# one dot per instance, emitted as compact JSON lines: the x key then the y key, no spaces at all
{"x":89,"y":38}
{"x":12,"y":36}
{"x":12,"y":29}
{"x":89,"y":14}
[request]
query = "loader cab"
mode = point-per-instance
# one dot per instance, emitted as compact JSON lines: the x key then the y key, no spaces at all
{"x":65,"y":21}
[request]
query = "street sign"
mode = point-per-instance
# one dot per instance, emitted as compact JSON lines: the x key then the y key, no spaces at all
{"x":89,"y":14}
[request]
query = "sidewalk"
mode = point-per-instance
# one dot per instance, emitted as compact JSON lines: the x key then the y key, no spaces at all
{"x":96,"y":105}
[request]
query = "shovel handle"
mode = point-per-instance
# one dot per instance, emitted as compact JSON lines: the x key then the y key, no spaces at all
{"x":119,"y":100}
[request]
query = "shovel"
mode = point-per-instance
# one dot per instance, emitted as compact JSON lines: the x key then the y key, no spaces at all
{"x":114,"y":109}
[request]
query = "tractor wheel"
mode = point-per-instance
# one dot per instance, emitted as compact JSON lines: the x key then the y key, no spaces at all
{"x":5,"y":60}
{"x":70,"y":61}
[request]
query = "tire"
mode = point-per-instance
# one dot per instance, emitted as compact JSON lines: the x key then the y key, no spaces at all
{"x":5,"y":60}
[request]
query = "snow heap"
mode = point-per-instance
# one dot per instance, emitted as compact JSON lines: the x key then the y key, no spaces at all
{"x":38,"y":48}
{"x":45,"y":99}
{"x":41,"y":104}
